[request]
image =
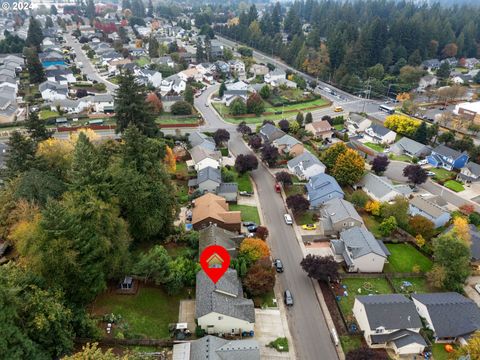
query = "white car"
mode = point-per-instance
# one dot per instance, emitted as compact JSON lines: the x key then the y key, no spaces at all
{"x":477,"y":287}
{"x":430,"y":173}
{"x":288,"y":219}
{"x":423,"y":162}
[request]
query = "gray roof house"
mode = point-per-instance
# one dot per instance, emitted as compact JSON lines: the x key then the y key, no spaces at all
{"x":197,"y":138}
{"x":431,"y":208}
{"x":202,"y":158}
{"x":322,"y":188}
{"x":269,"y":133}
{"x":208,"y":179}
{"x":360,"y":250}
{"x":305,"y":165}
{"x":214,"y":235}
{"x":339,"y":214}
{"x":449,"y":315}
{"x":470,"y":173}
{"x":228,"y":191}
{"x":390,"y":321}
{"x":221,"y":307}
{"x":380,"y":134}
{"x":357,"y":123}
{"x":287,"y":144}
{"x":409,"y":147}
{"x":215,"y":348}
{"x":381,"y":188}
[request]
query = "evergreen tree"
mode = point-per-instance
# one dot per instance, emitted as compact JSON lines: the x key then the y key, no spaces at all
{"x":200,"y":55}
{"x":53,"y":10}
{"x":34,"y":34}
{"x":36,"y":128}
{"x":20,"y":155}
{"x":150,"y":9}
{"x":34,"y":66}
{"x":90,"y":10}
{"x":131,"y":107}
{"x":48,"y":22}
{"x":153,"y":47}
{"x":188,"y":94}
{"x":221,"y":90}
{"x":421,"y":133}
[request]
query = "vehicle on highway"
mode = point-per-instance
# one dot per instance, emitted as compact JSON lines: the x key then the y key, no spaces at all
{"x":338,"y":109}
{"x":252,"y":228}
{"x":327,"y":89}
{"x":245,"y":193}
{"x":477,"y":287}
{"x":309,"y":227}
{"x":288,"y":298}
{"x":248,"y":223}
{"x":277,"y":187}
{"x":288,"y":219}
{"x":430,"y":173}
{"x":278,"y":265}
{"x":387,"y":109}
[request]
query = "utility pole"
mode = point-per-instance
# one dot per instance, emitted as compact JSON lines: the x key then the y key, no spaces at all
{"x":367,"y":94}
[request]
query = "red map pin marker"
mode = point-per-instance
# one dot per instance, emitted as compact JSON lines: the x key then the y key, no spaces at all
{"x":215,"y":261}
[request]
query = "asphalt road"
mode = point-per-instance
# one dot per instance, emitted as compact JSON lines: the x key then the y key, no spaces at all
{"x":395,"y":173}
{"x":87,"y":68}
{"x":306,"y":321}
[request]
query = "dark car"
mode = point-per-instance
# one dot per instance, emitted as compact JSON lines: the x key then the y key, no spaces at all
{"x":278,"y":265}
{"x":252,"y":228}
{"x":288,"y":298}
{"x":246,"y":193}
{"x":248,"y":223}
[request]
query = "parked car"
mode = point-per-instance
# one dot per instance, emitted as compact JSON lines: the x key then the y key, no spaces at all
{"x":288,"y":219}
{"x":423,"y":162}
{"x":287,"y":295}
{"x":309,"y":227}
{"x":248,"y":223}
{"x":430,"y":173}
{"x":338,"y":109}
{"x":245,"y":193}
{"x":278,"y":265}
{"x":277,"y":187}
{"x":252,"y":228}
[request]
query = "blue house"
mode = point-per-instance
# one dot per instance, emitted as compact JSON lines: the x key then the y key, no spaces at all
{"x":449,"y":159}
{"x":322,"y":188}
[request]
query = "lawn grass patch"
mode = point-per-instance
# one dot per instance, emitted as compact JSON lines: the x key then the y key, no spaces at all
{"x":169,"y":120}
{"x":339,"y":127}
{"x":265,"y":300}
{"x":279,"y":344}
{"x":244,"y":182}
{"x":224,"y":151}
{"x":46,"y":114}
{"x":350,"y":342}
{"x":454,"y":185}
{"x":419,"y":285}
{"x":442,"y":174}
{"x":372,"y":224}
{"x":147,"y":313}
{"x":249,"y":213}
{"x":404,"y":257}
{"x":143,"y":61}
{"x":439,"y":353}
{"x":305,"y":218}
{"x":367,"y":286}
{"x":403,"y":158}
{"x":377,"y":147}
{"x":294,"y":190}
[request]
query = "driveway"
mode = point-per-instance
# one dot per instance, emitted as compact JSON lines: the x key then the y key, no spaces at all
{"x":470,"y":291}
{"x":268,"y":327}
{"x":186,"y":314}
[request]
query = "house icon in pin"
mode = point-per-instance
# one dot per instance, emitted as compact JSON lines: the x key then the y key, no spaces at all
{"x":215,"y":261}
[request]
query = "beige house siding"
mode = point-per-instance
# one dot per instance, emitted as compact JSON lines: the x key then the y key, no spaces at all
{"x":215,"y":323}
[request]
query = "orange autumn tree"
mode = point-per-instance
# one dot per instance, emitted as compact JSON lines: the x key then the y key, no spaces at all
{"x":170,"y":160}
{"x":349,"y":167}
{"x":461,"y":228}
{"x":155,"y":102}
{"x":254,"y":249}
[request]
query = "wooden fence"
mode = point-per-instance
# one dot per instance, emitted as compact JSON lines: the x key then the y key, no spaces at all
{"x":115,"y":342}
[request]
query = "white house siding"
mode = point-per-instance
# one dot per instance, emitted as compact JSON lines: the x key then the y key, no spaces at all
{"x":423,"y":312}
{"x":223,"y":324}
{"x":369,"y":263}
{"x":408,"y":349}
{"x":206,"y":163}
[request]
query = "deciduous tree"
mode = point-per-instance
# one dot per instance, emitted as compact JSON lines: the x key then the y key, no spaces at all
{"x":323,"y":268}
{"x":420,"y":225}
{"x":415,"y":174}
{"x":284,"y":125}
{"x":298,"y":204}
{"x":244,"y":129}
{"x":181,"y":107}
{"x":170,"y":160}
{"x":154,"y":265}
{"x":387,"y":226}
{"x":254,"y":249}
{"x":284,"y":177}
{"x":255,"y":104}
{"x":461,"y":229}
{"x":260,"y":278}
{"x":155,"y":102}
{"x":244,"y":163}
{"x":333,"y":152}
{"x":255,"y":142}
{"x":349,"y":167}
{"x":221,"y":136}
{"x":380,"y":164}
{"x":373,"y":207}
{"x":270,"y":154}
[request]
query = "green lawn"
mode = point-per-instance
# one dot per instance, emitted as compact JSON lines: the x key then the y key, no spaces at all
{"x":339,"y":127}
{"x":265,"y":300}
{"x":377,"y":147}
{"x":404,"y":257}
{"x":147,"y":313}
{"x":244,"y":182}
{"x":442,"y":174}
{"x":172,"y":120}
{"x":305,"y":218}
{"x":47,"y":114}
{"x":143,"y":61}
{"x":294,"y":190}
{"x":404,"y":158}
{"x":366,"y":286}
{"x":372,"y":225}
{"x":249,"y":213}
{"x":350,"y":342}
{"x":439,"y":353}
{"x":418,"y":285}
{"x":454,"y":185}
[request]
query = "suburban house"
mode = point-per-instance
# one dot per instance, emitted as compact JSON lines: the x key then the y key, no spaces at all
{"x":432,"y":208}
{"x":8,"y":110}
{"x":234,"y":91}
{"x":52,"y":91}
{"x":390,"y":321}
{"x":381,"y":188}
{"x":173,"y":83}
{"x":338,"y":215}
{"x":357,"y":124}
{"x":213,"y":209}
{"x":426,"y":82}
{"x":202,"y":158}
{"x":447,"y":158}
{"x":237,"y":66}
{"x":360,"y":250}
{"x":409,"y":147}
{"x":221,"y":308}
{"x":208,"y":180}
{"x":470,"y":173}
{"x":228,"y":191}
{"x":215,"y":348}
{"x":320,"y":129}
{"x":469,"y":111}
{"x":197,"y":138}
{"x":150,"y":76}
{"x":322,"y":188}
{"x":274,"y":76}
{"x":451,"y":316}
{"x":215,"y":235}
{"x":379,"y":134}
{"x":259,"y":70}
{"x":269,"y":133}
{"x":431,"y":65}
{"x":287,"y":144}
{"x":305,"y":165}
{"x":474,"y":246}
